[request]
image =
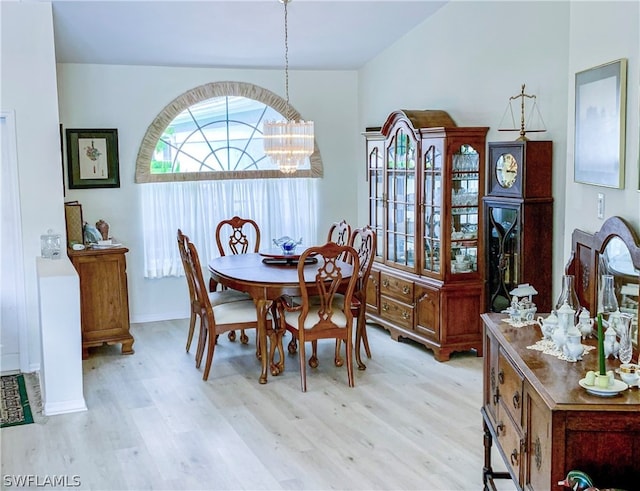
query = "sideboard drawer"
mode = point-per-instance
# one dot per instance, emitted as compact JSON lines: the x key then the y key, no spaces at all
{"x":510,"y":386}
{"x":396,"y":287}
{"x":511,"y":442}
{"x":397,"y":312}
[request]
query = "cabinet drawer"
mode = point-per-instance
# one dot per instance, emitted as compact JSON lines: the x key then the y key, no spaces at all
{"x":396,"y":288}
{"x":510,"y":385}
{"x":511,"y":444}
{"x":396,"y":312}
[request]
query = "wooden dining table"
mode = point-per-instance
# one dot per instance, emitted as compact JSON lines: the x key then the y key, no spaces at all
{"x":264,"y":282}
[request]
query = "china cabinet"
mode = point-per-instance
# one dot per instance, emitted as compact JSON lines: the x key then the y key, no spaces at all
{"x":518,"y":218}
{"x":544,"y":424}
{"x":104,"y":299}
{"x":426,"y":182}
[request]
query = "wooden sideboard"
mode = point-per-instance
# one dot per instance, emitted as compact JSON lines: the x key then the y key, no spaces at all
{"x":104,"y":298}
{"x":544,"y":424}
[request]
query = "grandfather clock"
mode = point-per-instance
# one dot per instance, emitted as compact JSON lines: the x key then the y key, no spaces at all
{"x":518,"y":220}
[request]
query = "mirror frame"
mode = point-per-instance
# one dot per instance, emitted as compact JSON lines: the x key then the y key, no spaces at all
{"x":586,"y":250}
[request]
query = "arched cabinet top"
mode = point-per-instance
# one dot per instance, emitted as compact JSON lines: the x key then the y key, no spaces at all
{"x":426,"y":118}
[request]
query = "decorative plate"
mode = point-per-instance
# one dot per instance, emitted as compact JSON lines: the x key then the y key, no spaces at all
{"x":615,"y":388}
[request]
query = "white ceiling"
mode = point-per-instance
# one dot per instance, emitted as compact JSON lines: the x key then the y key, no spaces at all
{"x":323,"y":34}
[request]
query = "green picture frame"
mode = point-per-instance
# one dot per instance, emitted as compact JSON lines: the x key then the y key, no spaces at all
{"x":92,"y":158}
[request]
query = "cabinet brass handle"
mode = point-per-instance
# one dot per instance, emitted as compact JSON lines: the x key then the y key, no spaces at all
{"x":496,"y":397}
{"x":516,"y":400}
{"x":501,"y":376}
{"x":514,"y":457}
{"x":406,"y":290}
{"x":385,"y":307}
{"x":405,"y":315}
{"x":385,"y":283}
{"x":499,"y":428}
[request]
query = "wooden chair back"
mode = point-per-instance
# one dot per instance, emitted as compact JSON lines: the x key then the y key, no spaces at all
{"x":243,"y":231}
{"x":363,"y":240}
{"x":195,"y":306}
{"x":339,"y":232}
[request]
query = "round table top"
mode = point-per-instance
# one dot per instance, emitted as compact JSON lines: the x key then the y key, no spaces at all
{"x":251,"y":269}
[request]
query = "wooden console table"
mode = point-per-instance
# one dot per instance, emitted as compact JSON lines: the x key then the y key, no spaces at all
{"x":544,"y":424}
{"x":104,"y":297}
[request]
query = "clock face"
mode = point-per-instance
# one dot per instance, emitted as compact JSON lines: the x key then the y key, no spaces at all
{"x":506,"y":170}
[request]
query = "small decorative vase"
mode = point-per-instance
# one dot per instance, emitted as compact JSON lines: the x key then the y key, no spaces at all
{"x":625,"y":351}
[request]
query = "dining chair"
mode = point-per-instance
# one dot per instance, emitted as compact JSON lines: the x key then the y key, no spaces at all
{"x":363,"y":240}
{"x":243,"y":237}
{"x":217,"y":318}
{"x":196,"y":307}
{"x":339,"y":232}
{"x":319,"y":315}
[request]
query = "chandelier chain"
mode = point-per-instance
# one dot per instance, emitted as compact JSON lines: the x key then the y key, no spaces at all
{"x":286,"y":54}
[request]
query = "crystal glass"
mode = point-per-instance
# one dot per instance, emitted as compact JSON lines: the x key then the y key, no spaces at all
{"x":626,"y":349}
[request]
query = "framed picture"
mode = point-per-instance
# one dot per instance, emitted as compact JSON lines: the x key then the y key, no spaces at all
{"x":92,"y":159}
{"x":600,"y":125}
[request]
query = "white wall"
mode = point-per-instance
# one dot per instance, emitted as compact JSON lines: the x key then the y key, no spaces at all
{"x":601,"y":32}
{"x":129,"y":98}
{"x":470,"y":57}
{"x":28,"y":86}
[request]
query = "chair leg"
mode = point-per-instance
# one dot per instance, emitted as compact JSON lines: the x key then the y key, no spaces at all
{"x":202,"y":340}
{"x":359,"y":326}
{"x":210,"y":350}
{"x":363,"y":322}
{"x":313,"y":359}
{"x":337,"y":359}
{"x":303,"y":369}
{"x":349,"y":343}
{"x":192,"y":326}
{"x":292,"y":347}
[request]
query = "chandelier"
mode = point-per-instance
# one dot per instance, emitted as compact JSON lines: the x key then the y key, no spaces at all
{"x":288,"y":143}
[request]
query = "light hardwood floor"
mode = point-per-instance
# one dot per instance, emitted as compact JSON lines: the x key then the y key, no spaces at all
{"x":409,"y":423}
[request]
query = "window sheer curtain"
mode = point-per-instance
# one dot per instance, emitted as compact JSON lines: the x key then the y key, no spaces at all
{"x":279,"y":207}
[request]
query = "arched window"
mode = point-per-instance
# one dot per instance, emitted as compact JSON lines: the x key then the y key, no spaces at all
{"x":202,"y":161}
{"x":214,"y":132}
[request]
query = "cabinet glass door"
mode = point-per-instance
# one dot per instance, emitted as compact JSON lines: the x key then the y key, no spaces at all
{"x":432,"y":198}
{"x":504,"y":248}
{"x":465,"y":176}
{"x":375,"y":170}
{"x":401,"y":161}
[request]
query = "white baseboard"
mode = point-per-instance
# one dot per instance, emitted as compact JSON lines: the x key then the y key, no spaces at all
{"x":51,"y":409}
{"x":161,"y":316}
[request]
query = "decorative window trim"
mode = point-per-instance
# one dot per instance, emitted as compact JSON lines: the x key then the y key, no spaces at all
{"x":202,"y":93}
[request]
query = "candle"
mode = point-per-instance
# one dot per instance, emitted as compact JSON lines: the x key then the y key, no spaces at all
{"x":602,"y":369}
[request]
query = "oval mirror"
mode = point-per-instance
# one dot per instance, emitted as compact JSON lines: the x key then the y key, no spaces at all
{"x":616,"y":260}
